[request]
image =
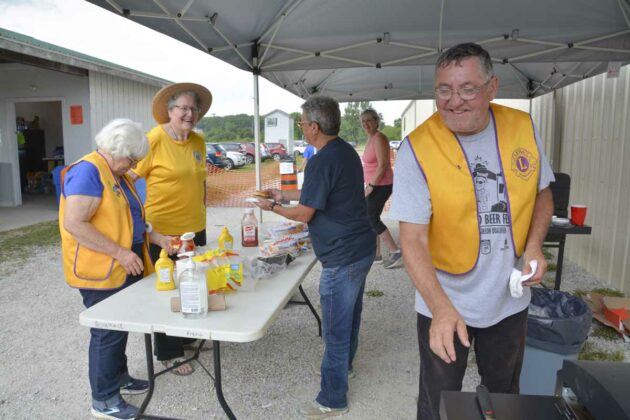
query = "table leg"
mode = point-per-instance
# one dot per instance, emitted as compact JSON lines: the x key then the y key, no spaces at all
{"x":559,"y":263}
{"x":150,"y":373}
{"x":315,"y":314}
{"x":218,"y":386}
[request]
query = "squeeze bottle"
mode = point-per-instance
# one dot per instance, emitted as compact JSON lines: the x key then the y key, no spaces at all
{"x":164,"y":272}
{"x":226,"y":241}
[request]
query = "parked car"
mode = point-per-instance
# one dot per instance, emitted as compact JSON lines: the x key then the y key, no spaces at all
{"x":299,"y":146}
{"x":215,"y":156}
{"x":394,"y":144}
{"x":243,"y":148}
{"x":232,"y":159}
{"x":277,"y":150}
{"x":264,"y":151}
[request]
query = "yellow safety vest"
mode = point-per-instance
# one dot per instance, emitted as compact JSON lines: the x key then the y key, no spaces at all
{"x":88,"y":269}
{"x":454,"y":236}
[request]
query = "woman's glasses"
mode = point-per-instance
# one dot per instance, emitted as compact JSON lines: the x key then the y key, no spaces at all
{"x":186,"y":109}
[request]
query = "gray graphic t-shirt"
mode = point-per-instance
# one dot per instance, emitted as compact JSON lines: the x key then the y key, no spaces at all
{"x":482,"y":296}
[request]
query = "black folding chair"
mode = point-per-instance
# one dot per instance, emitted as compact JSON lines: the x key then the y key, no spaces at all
{"x":560,"y":190}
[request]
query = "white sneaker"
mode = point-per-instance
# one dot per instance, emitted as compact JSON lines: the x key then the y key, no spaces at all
{"x":314,"y":410}
{"x":395,"y":259}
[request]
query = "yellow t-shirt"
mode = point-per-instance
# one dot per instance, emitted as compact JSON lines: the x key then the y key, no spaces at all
{"x":175,"y":172}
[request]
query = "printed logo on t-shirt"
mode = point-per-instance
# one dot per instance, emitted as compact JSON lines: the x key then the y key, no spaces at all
{"x":523,"y":163}
{"x":116,"y":190}
{"x":197,"y":156}
{"x":491,"y":201}
{"x":485,"y":246}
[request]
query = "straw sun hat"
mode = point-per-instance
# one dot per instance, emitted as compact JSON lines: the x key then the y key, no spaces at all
{"x":160,"y":100}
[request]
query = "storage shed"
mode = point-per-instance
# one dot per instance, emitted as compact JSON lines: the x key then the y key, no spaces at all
{"x":52,"y":102}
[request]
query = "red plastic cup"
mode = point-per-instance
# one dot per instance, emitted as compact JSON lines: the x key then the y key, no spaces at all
{"x":578,"y":214}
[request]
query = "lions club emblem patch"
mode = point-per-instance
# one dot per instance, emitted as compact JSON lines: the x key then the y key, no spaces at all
{"x":523,"y":163}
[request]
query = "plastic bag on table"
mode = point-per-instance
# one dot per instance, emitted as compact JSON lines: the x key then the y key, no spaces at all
{"x":240,"y":275}
{"x":265,"y":267}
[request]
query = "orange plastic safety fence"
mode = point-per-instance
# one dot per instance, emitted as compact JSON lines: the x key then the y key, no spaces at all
{"x":231,"y":188}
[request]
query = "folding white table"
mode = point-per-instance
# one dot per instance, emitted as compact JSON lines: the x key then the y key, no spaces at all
{"x":141,"y":308}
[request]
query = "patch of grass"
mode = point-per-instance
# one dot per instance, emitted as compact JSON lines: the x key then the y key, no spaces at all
{"x":548,"y":282}
{"x":606,"y":333}
{"x":552,"y":267}
{"x":591,"y":352}
{"x":581,"y":293}
{"x":15,"y":244}
{"x":548,"y":255}
{"x":608,"y":292}
{"x":374,"y":293}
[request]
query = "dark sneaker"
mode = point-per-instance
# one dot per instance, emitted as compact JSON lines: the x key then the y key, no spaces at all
{"x":395,"y":259}
{"x":121,"y":411}
{"x":314,"y":410}
{"x":134,"y":387}
{"x":378,"y":260}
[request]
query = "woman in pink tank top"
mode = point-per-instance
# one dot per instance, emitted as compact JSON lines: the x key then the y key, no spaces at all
{"x":378,"y":177}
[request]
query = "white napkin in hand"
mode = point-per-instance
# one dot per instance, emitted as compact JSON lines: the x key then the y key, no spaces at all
{"x":516,"y":279}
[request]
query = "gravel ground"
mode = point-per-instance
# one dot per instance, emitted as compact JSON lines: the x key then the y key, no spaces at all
{"x":43,"y":353}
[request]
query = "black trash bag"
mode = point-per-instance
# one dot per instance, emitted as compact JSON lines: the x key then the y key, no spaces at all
{"x":557,"y":321}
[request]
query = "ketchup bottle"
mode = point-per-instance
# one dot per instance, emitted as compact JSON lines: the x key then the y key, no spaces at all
{"x":249,"y":229}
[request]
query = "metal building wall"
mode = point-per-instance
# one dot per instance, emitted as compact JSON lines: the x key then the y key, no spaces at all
{"x":592,"y":133}
{"x":115,"y":97}
{"x":544,"y":115}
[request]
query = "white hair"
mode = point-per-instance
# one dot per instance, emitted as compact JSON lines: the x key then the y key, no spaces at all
{"x":123,"y":138}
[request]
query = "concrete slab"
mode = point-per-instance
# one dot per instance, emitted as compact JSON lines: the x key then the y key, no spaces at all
{"x":35,"y":208}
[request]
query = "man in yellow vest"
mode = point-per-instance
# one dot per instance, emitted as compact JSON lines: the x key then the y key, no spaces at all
{"x":471,"y":193}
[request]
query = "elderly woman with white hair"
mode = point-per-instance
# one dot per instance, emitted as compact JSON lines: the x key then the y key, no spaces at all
{"x":104,"y":243}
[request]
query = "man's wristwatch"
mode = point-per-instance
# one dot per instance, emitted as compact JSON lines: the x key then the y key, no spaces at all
{"x":274,"y":204}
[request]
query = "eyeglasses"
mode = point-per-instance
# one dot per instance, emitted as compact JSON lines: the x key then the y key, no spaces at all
{"x":185,"y":109}
{"x":133,"y":162}
{"x":466,"y":93}
{"x":301,"y":123}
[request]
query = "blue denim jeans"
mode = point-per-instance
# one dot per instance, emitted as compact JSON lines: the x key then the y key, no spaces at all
{"x":341,"y":297}
{"x":107,"y":359}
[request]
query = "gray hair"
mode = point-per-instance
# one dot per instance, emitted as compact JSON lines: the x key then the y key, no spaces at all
{"x":372,"y":113}
{"x":171,"y":101}
{"x":325,"y":112}
{"x":123,"y":138}
{"x":461,"y":52}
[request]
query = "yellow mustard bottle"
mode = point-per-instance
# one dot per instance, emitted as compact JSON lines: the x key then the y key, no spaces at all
{"x":164,"y":272}
{"x":226,"y":241}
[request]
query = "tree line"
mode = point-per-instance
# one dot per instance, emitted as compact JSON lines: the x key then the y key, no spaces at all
{"x":240,"y":128}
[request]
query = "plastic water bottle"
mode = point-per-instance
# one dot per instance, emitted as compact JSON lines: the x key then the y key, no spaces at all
{"x":193,"y":291}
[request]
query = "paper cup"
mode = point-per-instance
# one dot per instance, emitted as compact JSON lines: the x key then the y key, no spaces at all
{"x":578,"y":214}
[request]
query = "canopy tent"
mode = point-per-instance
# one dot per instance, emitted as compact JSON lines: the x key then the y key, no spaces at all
{"x":376,"y":50}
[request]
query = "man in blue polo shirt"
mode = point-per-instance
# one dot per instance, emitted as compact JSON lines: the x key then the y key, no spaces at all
{"x":332,"y":202}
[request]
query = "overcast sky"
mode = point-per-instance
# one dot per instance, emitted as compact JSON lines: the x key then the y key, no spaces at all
{"x":83,"y":27}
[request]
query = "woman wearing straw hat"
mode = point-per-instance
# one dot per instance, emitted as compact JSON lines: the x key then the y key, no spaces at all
{"x":175,"y":172}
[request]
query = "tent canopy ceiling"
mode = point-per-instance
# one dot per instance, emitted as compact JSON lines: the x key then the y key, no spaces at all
{"x":375,"y":50}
